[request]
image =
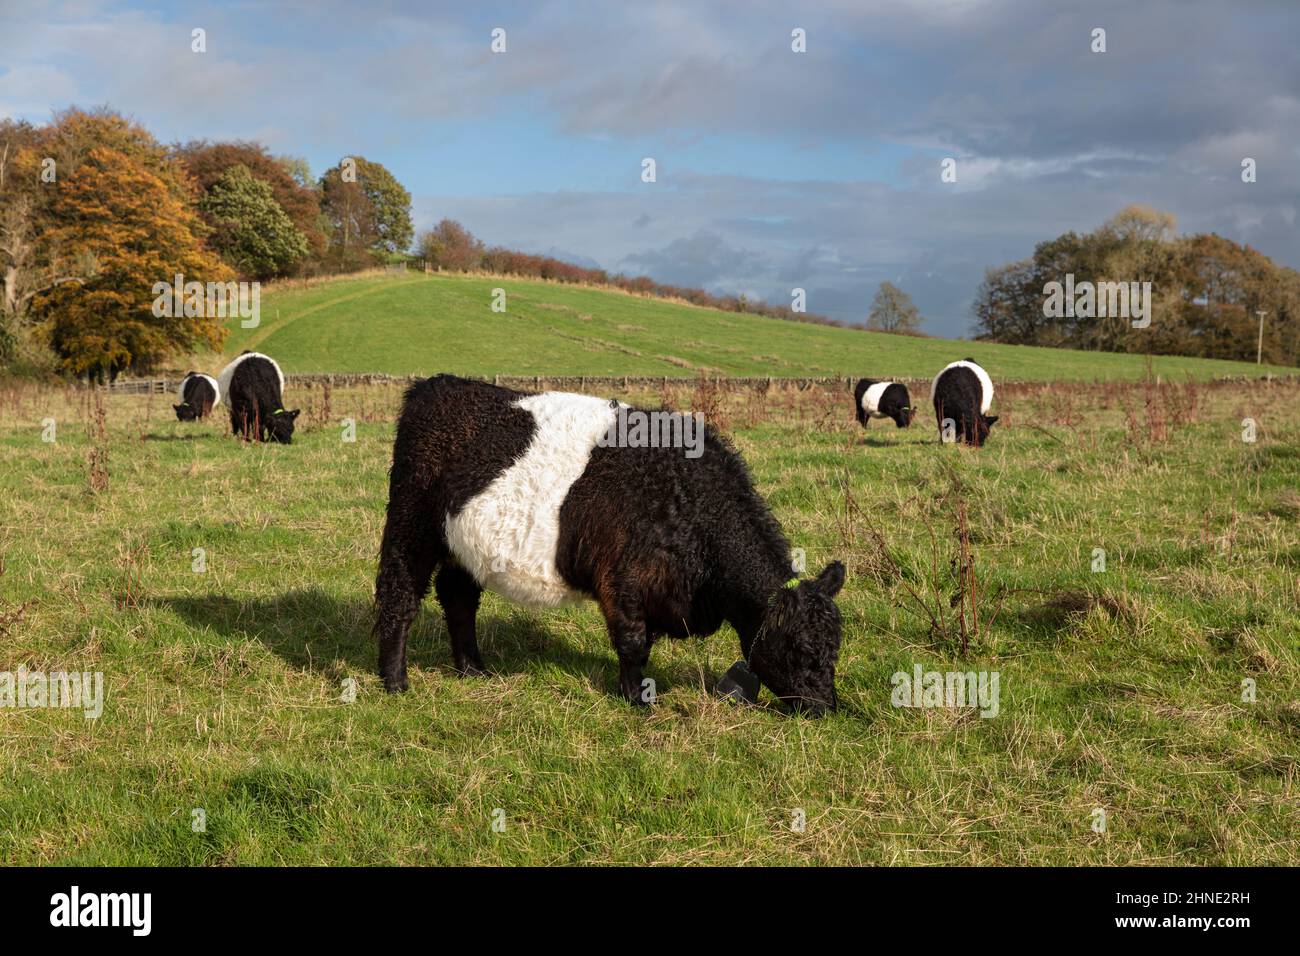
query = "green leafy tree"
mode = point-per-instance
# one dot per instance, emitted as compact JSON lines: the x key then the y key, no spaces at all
{"x":250,"y":230}
{"x":298,"y":170}
{"x":289,"y":179}
{"x":1007,"y":307}
{"x":368,"y":217}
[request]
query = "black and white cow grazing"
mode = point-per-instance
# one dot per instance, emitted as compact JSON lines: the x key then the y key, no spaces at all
{"x":253,"y":386}
{"x":875,"y":399}
{"x":198,"y":395}
{"x":963,"y":392}
{"x":517,"y":493}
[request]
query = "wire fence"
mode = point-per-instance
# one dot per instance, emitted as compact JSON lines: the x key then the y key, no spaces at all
{"x":584,"y":383}
{"x":579,"y":383}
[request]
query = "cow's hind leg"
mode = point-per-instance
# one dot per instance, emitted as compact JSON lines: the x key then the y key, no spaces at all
{"x":405,"y":567}
{"x":459,"y":594}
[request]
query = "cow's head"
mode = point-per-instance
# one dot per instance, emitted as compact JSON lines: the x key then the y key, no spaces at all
{"x":281,"y":425}
{"x":897,"y":404}
{"x":903,"y":415}
{"x":798,"y":643}
{"x":185,"y":412}
{"x":983,"y":424}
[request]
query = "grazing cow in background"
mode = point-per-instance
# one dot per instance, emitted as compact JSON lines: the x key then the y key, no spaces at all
{"x":873,"y":399}
{"x":516,"y":492}
{"x":963,"y":392}
{"x":198,"y":394}
{"x":254,"y":387}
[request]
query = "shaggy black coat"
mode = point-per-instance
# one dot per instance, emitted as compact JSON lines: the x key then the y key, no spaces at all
{"x":197,"y":398}
{"x":257,"y":410}
{"x":664,"y":544}
{"x":894,"y":403}
{"x":958,"y":394}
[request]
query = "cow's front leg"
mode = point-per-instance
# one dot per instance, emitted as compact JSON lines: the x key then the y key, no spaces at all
{"x":627,"y":632}
{"x":459,"y":594}
{"x":632,"y":645}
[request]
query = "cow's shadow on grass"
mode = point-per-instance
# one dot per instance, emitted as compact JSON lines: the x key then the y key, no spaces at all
{"x":315,"y":631}
{"x":871,"y":442}
{"x":308,"y":628}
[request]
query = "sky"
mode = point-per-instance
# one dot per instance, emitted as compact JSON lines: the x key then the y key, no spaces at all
{"x":775,"y":169}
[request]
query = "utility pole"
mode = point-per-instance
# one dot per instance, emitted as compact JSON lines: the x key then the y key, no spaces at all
{"x":1259,"y":349}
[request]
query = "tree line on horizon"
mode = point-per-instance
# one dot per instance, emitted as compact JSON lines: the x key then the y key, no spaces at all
{"x":1206,"y":293}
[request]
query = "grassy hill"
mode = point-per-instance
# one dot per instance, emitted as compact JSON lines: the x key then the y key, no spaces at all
{"x":420,"y":324}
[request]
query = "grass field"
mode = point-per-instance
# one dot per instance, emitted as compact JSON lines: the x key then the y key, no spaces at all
{"x":1120,"y":690}
{"x":420,"y":324}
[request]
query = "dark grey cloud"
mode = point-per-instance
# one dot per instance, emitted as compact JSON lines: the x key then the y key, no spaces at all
{"x":704,"y":260}
{"x":1048,"y":136}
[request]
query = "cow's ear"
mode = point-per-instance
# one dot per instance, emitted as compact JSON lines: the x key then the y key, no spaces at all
{"x":990,"y":419}
{"x":176,"y":409}
{"x":831,"y":579}
{"x":294,"y":413}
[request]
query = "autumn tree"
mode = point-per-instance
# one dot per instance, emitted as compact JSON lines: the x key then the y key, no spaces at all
{"x":1137,"y":244}
{"x":1138,"y":223}
{"x":34,"y":162}
{"x":75,"y":132}
{"x":25,"y":269}
{"x":250,"y":230}
{"x":1206,"y":292}
{"x":449,"y":245}
{"x":892,"y":311}
{"x":1226,"y":286}
{"x":140,"y":230}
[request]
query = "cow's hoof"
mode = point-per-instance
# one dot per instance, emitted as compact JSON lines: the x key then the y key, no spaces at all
{"x":471,"y":670}
{"x":739,"y":684}
{"x":396,"y":685}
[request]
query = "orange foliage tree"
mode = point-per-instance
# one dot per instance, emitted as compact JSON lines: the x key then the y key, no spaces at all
{"x":129,"y":212}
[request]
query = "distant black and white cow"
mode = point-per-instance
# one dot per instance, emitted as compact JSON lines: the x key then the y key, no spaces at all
{"x":198,"y":395}
{"x":253,"y":386}
{"x":518,"y":493}
{"x":875,"y":399}
{"x":963,"y":393}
